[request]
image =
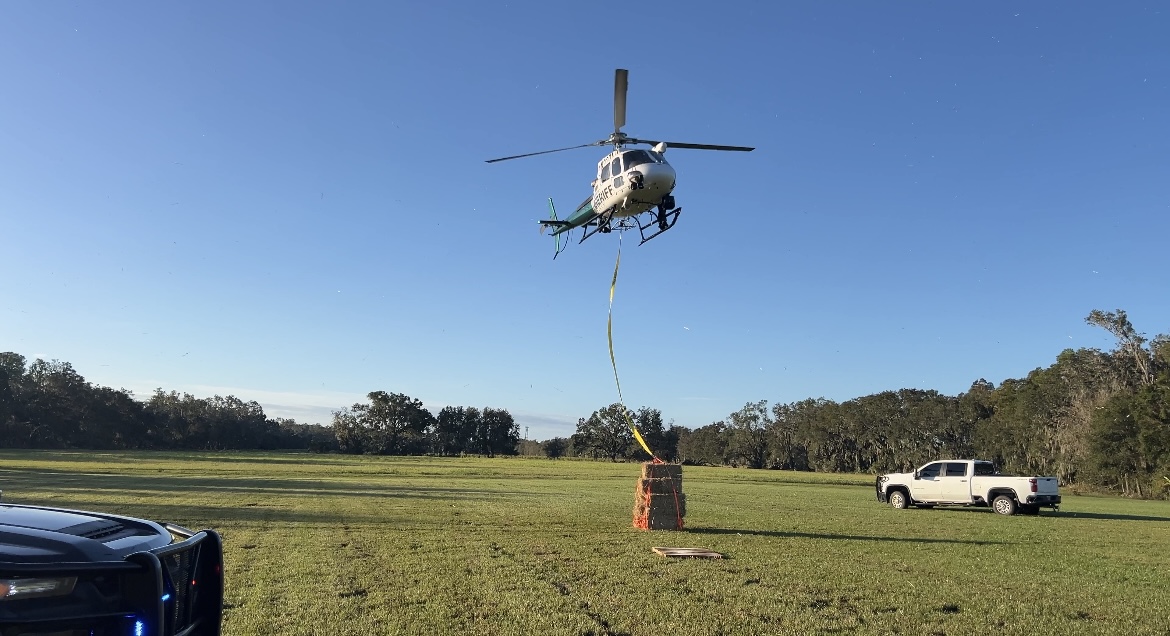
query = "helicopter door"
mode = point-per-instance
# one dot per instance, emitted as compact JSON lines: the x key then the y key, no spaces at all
{"x":615,"y":169}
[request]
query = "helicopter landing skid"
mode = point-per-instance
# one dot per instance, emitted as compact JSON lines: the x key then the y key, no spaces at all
{"x":661,"y":222}
{"x":603,"y":223}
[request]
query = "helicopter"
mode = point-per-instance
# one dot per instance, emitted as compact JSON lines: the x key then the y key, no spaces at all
{"x":628,"y":184}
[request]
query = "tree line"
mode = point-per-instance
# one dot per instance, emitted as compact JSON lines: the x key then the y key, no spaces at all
{"x":397,"y":424}
{"x":1095,"y":417}
{"x":50,"y":405}
{"x":1100,"y":418}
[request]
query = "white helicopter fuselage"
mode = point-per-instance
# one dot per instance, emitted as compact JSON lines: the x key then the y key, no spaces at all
{"x":630,"y":182}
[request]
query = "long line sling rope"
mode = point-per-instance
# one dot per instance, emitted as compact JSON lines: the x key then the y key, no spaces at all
{"x":621,"y":400}
{"x":613,"y":362}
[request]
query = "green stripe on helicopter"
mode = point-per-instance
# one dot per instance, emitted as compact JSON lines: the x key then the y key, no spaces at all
{"x":582,"y":215}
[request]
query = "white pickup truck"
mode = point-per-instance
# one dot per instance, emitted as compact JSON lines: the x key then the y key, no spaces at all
{"x":968,"y":482}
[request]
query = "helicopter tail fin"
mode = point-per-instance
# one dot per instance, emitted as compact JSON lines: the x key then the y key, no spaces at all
{"x":554,"y":222}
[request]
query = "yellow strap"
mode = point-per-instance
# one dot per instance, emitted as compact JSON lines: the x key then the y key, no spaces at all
{"x":609,"y":332}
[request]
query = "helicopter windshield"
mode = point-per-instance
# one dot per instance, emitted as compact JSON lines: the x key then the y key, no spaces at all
{"x":636,"y":157}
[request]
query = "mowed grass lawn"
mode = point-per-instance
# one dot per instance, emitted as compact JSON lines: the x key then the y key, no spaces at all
{"x":329,"y":544}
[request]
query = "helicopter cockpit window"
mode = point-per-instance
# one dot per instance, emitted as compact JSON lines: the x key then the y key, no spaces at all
{"x":636,"y":157}
{"x":604,"y":172}
{"x":615,"y":168}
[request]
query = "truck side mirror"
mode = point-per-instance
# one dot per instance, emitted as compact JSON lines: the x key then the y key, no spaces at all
{"x":916,"y":476}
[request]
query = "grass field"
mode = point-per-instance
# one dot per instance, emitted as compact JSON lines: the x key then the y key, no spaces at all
{"x":328,"y":544}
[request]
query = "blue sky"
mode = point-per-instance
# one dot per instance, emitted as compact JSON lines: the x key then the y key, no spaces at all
{"x":288,"y":201}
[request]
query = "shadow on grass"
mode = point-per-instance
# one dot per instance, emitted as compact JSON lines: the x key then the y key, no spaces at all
{"x":1104,"y":515}
{"x":16,"y":479}
{"x":840,"y":537}
{"x":278,"y":456}
{"x":197,"y":517}
{"x":1064,"y":514}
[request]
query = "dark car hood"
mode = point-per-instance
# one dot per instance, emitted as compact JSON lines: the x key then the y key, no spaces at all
{"x":34,"y":534}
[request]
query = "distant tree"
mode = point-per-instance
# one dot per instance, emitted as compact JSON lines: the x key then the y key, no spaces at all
{"x":667,"y":446}
{"x":662,"y":442}
{"x":50,"y":405}
{"x":14,"y":429}
{"x":1131,"y":435}
{"x":606,"y":433}
{"x":748,"y":443}
{"x":7,"y":402}
{"x":1129,"y":341}
{"x":13,"y":364}
{"x":498,"y":433}
{"x":114,"y":419}
{"x":55,"y":401}
{"x":350,"y":435}
{"x":391,"y":424}
{"x":823,"y":432}
{"x":784,"y":450}
{"x":555,"y":447}
{"x":706,"y":445}
{"x":455,"y":430}
{"x":312,"y":437}
{"x":1160,"y":351}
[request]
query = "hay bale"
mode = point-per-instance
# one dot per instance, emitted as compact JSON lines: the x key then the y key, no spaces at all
{"x":655,"y":486}
{"x":663,"y":522}
{"x":650,"y":470}
{"x":659,"y":503}
{"x":665,"y":504}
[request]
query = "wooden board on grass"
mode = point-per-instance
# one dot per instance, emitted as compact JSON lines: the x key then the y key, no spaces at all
{"x":698,"y":553}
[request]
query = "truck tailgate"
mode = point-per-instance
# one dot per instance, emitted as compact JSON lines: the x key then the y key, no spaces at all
{"x":1047,"y":486}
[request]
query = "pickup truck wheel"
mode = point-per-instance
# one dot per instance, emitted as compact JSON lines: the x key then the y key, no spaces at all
{"x":1004,"y":505}
{"x":899,"y":500}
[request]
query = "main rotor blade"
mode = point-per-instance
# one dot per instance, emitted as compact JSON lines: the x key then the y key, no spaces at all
{"x":544,"y":152}
{"x":678,"y":144}
{"x":620,"y":86}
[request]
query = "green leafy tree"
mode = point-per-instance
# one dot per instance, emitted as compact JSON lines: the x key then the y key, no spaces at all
{"x":663,"y":442}
{"x":1129,"y":342}
{"x":555,"y":447}
{"x":350,"y":435}
{"x":1132,"y":440}
{"x":748,"y":443}
{"x":50,"y":405}
{"x":390,"y":424}
{"x":13,"y":427}
{"x":706,"y":445}
{"x":497,"y":433}
{"x":455,"y":430}
{"x":295,"y":435}
{"x":784,"y":449}
{"x":605,"y":434}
